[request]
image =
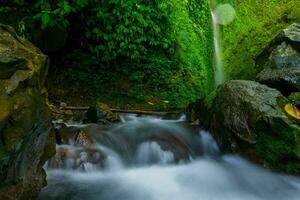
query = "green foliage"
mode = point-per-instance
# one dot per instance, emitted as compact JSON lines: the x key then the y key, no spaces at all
{"x":135,"y":51}
{"x":127,"y":29}
{"x":256,"y":24}
{"x":46,"y":13}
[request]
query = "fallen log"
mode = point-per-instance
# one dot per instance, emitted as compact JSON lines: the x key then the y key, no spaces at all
{"x":145,"y":112}
{"x":142,"y":112}
{"x":74,"y":108}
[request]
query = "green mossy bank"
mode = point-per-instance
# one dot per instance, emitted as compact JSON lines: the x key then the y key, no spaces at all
{"x":193,"y":35}
{"x":257,"y":22}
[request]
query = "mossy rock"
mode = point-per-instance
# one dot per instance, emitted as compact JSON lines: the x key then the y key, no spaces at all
{"x":25,"y":121}
{"x":281,"y":61}
{"x":249,"y":118}
{"x":256,"y":24}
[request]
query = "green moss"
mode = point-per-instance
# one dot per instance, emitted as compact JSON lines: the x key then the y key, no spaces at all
{"x":191,"y":79}
{"x":279,"y":151}
{"x":209,"y":100}
{"x":295,"y":97}
{"x":194,"y":42}
{"x":256,"y":24}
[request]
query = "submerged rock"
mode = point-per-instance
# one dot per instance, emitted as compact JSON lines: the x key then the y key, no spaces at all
{"x":75,"y":158}
{"x":26,"y":142}
{"x":249,"y":118}
{"x":281,"y":61}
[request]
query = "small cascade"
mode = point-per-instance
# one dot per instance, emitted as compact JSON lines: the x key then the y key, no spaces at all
{"x":151,"y":153}
{"x":136,"y":141}
{"x":151,"y":158}
{"x":208,"y":145}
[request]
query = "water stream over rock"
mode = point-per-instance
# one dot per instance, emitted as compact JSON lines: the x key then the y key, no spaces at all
{"x":218,"y":64}
{"x":222,"y":14}
{"x":148,"y":158}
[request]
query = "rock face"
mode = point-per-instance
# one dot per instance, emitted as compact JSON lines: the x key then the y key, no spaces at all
{"x":281,"y":61}
{"x":248,"y":118}
{"x":25,"y":142}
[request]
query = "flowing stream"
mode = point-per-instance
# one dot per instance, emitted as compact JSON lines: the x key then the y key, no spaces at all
{"x":149,"y":158}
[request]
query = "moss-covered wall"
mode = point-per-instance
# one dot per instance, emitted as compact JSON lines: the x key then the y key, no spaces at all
{"x":256,"y":24}
{"x":191,"y":22}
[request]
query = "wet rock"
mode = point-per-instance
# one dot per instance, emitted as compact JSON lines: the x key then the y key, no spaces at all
{"x":63,"y":105}
{"x":90,"y":155}
{"x":179,"y":148}
{"x":83,"y":139}
{"x":101,"y":113}
{"x":105,"y":112}
{"x":69,"y":112}
{"x":65,"y":134}
{"x":70,"y":157}
{"x":280,"y":61}
{"x":91,"y":115}
{"x":249,"y":118}
{"x":60,"y":112}
{"x":62,"y":153}
{"x":25,"y":128}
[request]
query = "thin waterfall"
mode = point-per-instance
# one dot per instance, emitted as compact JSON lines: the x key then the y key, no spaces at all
{"x":222,"y":14}
{"x":218,"y":64}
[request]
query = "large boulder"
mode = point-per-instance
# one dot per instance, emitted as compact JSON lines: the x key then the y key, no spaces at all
{"x":249,"y":118}
{"x":25,"y":126}
{"x":281,"y":61}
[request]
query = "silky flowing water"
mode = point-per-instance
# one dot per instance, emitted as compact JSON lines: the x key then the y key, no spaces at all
{"x":148,"y":158}
{"x":222,"y":15}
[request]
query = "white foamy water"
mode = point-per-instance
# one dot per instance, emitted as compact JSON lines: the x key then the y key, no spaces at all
{"x":151,"y":152}
{"x":153,"y":172}
{"x":230,"y":178}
